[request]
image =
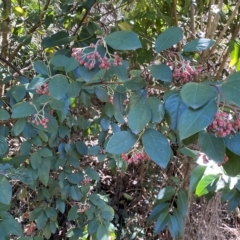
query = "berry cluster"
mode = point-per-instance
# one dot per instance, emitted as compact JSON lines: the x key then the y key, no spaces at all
{"x":223,"y":124}
{"x":43,"y":90}
{"x":90,"y":59}
{"x":83,"y":207}
{"x":86,"y":181}
{"x":135,"y":158}
{"x":183,"y":71}
{"x":39,"y":118}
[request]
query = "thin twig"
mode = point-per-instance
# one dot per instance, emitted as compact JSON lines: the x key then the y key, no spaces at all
{"x":30,"y":31}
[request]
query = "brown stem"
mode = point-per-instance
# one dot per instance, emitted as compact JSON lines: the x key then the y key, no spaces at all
{"x":192,"y":21}
{"x":10,"y":65}
{"x":30,"y":31}
{"x":223,"y":62}
{"x":83,"y":18}
{"x":234,"y":13}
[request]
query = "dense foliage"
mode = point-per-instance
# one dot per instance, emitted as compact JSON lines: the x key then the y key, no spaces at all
{"x":92,"y":88}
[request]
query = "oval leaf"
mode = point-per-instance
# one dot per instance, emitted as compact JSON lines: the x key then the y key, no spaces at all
{"x":211,"y":145}
{"x":121,"y":142}
{"x":198,"y":45}
{"x":231,"y":91}
{"x":161,"y":72}
{"x":157,"y":147}
{"x":193,"y":121}
{"x":168,"y":38}
{"x":138,"y":117}
{"x":58,"y":86}
{"x":123,"y":40}
{"x":195,"y":95}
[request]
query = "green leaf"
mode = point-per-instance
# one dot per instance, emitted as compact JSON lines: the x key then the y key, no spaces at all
{"x":59,"y":60}
{"x":161,"y":72}
{"x":157,"y":110}
{"x":233,"y":143}
{"x":4,"y":115}
{"x":123,"y":40}
{"x":10,"y":224}
{"x":138,"y":117}
{"x":204,"y":183}
{"x":73,"y":213}
{"x":166,"y":193}
{"x":82,"y":148}
{"x":198,"y":45}
{"x":19,"y":126}
{"x":57,"y":39}
{"x":180,"y":220}
{"x":35,"y":160}
{"x":232,"y":166}
{"x":3,"y":146}
{"x":41,"y":220}
{"x":136,"y":83}
{"x":58,"y":86}
{"x":196,"y":95}
{"x":173,"y":226}
{"x":137,"y":97}
{"x":121,"y":142}
{"x":102,"y":232}
{"x":93,"y":225}
{"x":18,"y":92}
{"x":162,"y":207}
{"x":168,"y":38}
{"x":44,"y":170}
{"x":157,"y":147}
{"x":75,"y":193}
{"x":107,"y":213}
{"x":22,"y":109}
{"x":162,"y":222}
{"x":193,"y":121}
{"x":45,"y":152}
{"x":234,"y":202}
{"x":231,"y":90}
{"x":211,"y":145}
{"x":74,"y":89}
{"x":174,"y":107}
{"x":234,"y":49}
{"x":60,"y":205}
{"x":182,"y":201}
{"x":40,"y":67}
{"x":101,"y":94}
{"x":71,"y":64}
{"x":196,"y":175}
{"x":92,"y":173}
{"x":5,"y":191}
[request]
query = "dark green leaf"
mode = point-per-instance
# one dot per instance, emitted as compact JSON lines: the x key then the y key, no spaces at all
{"x":161,"y":72}
{"x":40,"y":67}
{"x":82,"y":148}
{"x":233,"y":143}
{"x":19,"y":92}
{"x":57,"y":39}
{"x":73,"y":213}
{"x":3,"y":146}
{"x":123,"y":40}
{"x":193,"y":121}
{"x":162,"y":221}
{"x":22,"y":109}
{"x":35,"y":160}
{"x":195,"y":95}
{"x":5,"y":190}
{"x":138,"y":117}
{"x":44,"y":170}
{"x":211,"y":145}
{"x":58,"y":86}
{"x":198,"y":45}
{"x":173,"y":226}
{"x":168,"y":38}
{"x":157,"y":147}
{"x":182,"y":201}
{"x":19,"y":126}
{"x":102,"y":232}
{"x":121,"y":142}
{"x":4,"y":115}
{"x":101,"y":94}
{"x":232,"y":166}
{"x":136,"y":83}
{"x":157,"y":110}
